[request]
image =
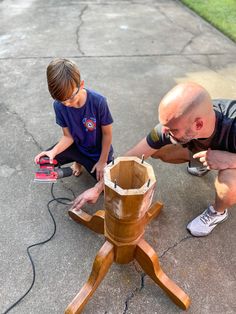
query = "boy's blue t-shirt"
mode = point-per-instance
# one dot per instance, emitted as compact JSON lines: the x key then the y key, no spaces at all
{"x":85,"y":123}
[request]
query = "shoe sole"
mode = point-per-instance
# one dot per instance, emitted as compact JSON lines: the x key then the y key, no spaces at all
{"x":197,"y":174}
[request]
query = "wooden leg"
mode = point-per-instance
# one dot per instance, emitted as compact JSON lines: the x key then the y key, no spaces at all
{"x":148,"y":260}
{"x":101,"y":265}
{"x":94,"y":222}
{"x":154,"y":211}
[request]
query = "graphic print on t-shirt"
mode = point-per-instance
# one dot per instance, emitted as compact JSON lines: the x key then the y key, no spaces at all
{"x":89,"y":123}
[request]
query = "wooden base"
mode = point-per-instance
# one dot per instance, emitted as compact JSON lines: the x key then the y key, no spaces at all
{"x":143,"y":253}
{"x":148,"y":260}
{"x":94,"y":222}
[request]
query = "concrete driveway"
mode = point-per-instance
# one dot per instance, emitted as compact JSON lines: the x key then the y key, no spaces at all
{"x":132,"y":51}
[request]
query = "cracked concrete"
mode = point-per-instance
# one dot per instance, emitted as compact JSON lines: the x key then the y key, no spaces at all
{"x":132,"y":52}
{"x":132,"y":294}
{"x":78,"y":29}
{"x":23,"y":122}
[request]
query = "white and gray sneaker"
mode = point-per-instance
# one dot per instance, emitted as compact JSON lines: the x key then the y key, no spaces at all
{"x":203,"y":224}
{"x":198,"y":171}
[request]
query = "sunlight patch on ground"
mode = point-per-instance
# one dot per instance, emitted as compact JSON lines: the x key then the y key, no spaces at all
{"x":220,"y":84}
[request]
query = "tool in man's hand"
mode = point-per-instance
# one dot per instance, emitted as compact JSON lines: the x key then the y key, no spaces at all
{"x":50,"y":172}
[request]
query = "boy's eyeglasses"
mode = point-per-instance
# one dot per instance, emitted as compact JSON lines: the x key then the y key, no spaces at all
{"x":72,"y":96}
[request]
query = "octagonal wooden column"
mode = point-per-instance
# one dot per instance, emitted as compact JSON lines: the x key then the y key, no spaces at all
{"x":129,"y":188}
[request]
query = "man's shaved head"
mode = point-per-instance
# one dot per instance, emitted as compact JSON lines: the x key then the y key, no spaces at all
{"x":184,"y":100}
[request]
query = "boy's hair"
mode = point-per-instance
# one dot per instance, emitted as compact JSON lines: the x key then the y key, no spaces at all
{"x":63,"y":76}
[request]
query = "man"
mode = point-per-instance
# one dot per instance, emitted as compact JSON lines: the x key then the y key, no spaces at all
{"x":192,"y":126}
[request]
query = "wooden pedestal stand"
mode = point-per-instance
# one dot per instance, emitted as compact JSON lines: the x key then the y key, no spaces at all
{"x":129,"y":187}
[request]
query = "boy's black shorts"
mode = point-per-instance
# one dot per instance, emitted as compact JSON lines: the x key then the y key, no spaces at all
{"x":72,"y":154}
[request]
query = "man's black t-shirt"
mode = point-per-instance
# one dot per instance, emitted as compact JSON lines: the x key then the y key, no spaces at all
{"x":223,"y":137}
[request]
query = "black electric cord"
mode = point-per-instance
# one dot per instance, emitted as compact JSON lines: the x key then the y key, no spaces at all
{"x":59,"y":200}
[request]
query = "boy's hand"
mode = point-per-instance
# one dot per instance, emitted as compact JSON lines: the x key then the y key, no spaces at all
{"x":99,"y":167}
{"x":49,"y":153}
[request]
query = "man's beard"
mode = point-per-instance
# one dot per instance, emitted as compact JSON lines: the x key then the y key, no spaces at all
{"x":182,"y":140}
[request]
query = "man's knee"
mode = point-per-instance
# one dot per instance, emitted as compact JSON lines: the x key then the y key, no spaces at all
{"x":159,"y":154}
{"x":225,"y":185}
{"x":172,"y":153}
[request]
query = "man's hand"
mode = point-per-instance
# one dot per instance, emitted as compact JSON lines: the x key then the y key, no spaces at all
{"x":99,"y":167}
{"x":89,"y":196}
{"x":216,"y":159}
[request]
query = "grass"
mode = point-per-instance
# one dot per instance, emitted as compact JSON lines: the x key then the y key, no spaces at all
{"x":220,"y":13}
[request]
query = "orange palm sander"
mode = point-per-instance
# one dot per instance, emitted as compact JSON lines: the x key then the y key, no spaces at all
{"x":50,"y":172}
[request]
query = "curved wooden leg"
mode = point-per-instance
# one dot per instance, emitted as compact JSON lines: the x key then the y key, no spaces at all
{"x":101,"y":265}
{"x":153,"y":211}
{"x":148,"y":260}
{"x":94,"y":222}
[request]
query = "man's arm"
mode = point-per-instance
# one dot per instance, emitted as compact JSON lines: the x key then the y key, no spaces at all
{"x":142,"y":148}
{"x":217,"y":159}
{"x":91,"y":195}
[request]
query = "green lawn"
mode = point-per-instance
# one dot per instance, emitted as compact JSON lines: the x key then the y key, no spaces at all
{"x":220,"y":13}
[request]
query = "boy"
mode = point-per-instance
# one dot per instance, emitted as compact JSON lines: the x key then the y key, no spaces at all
{"x":84,"y":117}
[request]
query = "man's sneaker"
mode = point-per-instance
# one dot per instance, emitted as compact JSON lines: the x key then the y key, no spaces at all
{"x":198,"y":171}
{"x":203,"y":224}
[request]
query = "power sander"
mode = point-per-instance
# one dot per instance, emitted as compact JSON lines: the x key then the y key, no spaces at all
{"x":49,"y":172}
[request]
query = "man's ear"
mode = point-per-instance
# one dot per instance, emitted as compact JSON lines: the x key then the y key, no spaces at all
{"x":198,"y":124}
